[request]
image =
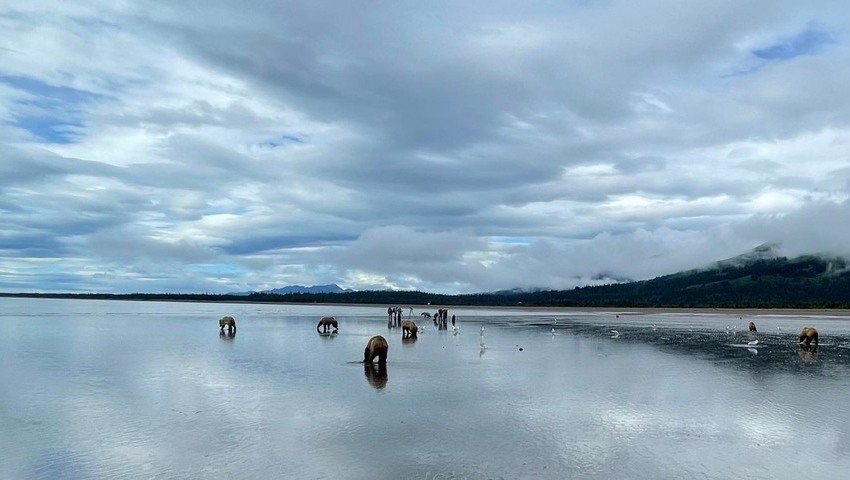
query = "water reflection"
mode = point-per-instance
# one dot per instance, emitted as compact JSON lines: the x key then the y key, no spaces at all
{"x":376,"y":374}
{"x":227,"y":336}
{"x":88,"y":395}
{"x":808,"y":353}
{"x":727,"y":344}
{"x":408,"y":341}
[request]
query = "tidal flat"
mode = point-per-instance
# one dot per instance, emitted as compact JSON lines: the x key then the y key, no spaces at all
{"x":122,"y":389}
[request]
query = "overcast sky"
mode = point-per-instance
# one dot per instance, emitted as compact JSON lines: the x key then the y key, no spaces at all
{"x":451,"y":147}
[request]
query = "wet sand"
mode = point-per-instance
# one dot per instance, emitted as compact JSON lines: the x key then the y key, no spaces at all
{"x":742,"y":312}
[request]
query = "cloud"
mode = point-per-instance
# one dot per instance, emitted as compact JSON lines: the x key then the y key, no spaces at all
{"x":205,"y":146}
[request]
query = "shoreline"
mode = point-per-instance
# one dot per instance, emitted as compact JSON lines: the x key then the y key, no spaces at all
{"x":752,"y":312}
{"x":741,"y":312}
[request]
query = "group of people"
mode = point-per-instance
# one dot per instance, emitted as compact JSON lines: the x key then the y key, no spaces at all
{"x":441,"y":319}
{"x":395,"y":315}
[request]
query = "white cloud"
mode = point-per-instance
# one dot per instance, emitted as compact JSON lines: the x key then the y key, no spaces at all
{"x":216,"y":146}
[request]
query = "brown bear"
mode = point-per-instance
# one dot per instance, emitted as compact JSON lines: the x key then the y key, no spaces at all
{"x":326,"y":323}
{"x":408,"y":329}
{"x":376,"y":347}
{"x":807,"y":335}
{"x":228,"y":322}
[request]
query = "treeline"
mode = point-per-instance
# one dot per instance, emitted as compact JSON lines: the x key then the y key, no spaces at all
{"x":803,"y":282}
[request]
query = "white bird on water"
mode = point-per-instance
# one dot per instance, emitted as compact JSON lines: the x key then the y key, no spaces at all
{"x":615,"y":334}
{"x":753,"y":343}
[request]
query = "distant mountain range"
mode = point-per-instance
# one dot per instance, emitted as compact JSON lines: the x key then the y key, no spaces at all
{"x":330,"y":288}
{"x":761,"y":278}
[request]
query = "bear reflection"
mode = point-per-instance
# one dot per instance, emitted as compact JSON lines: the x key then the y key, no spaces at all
{"x":808,"y":353}
{"x":408,"y":341}
{"x":227,"y":336}
{"x":376,"y":374}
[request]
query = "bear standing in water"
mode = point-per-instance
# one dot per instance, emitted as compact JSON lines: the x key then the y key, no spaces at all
{"x":228,"y":322}
{"x":326,"y":323}
{"x":376,"y":347}
{"x":408,"y":329}
{"x":807,"y":335}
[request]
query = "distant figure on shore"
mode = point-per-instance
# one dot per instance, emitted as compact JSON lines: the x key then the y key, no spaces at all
{"x":228,"y":322}
{"x":753,"y":327}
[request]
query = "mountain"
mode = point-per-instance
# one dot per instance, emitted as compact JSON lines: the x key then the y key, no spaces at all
{"x":761,"y":278}
{"x":765,"y":251}
{"x":330,"y":288}
{"x":757,"y":279}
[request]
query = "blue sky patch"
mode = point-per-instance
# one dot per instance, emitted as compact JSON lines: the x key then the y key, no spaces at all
{"x":808,"y":42}
{"x":53,"y":114}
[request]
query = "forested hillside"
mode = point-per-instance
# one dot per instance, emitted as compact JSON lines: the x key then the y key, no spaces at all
{"x":803,"y":282}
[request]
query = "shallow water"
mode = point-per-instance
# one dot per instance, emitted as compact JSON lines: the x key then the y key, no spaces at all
{"x":112,"y":389}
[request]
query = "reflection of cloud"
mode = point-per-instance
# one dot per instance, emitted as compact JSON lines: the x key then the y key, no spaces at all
{"x":628,"y":422}
{"x":175,"y":409}
{"x":182,"y":403}
{"x":765,"y":429}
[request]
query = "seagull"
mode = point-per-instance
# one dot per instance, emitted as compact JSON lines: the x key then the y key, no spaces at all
{"x":553,"y":330}
{"x":615,"y":334}
{"x":753,"y":343}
